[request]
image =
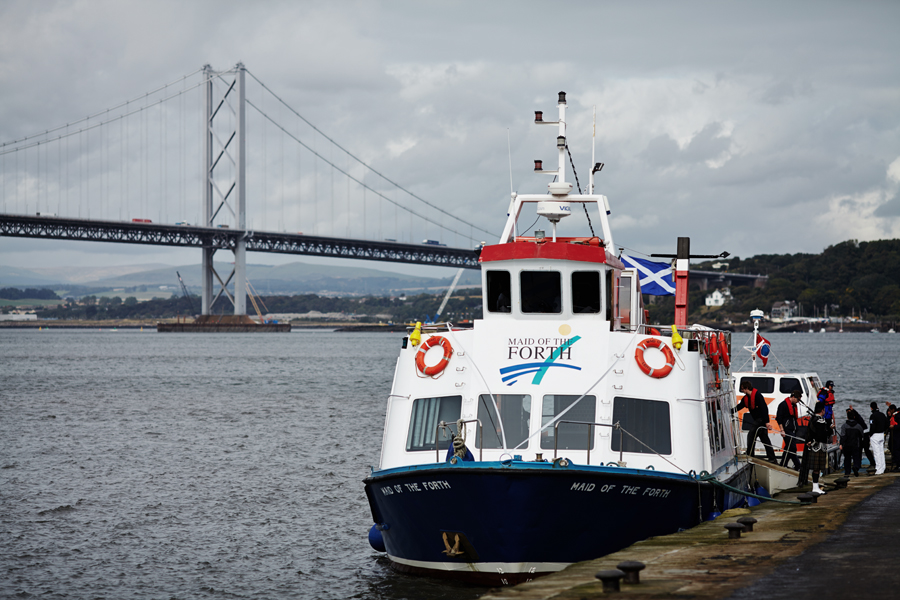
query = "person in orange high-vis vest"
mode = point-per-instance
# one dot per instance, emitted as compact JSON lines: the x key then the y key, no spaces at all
{"x":754,"y":402}
{"x":787,"y":417}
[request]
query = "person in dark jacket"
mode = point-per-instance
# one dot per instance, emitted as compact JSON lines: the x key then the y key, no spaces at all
{"x":852,"y":433}
{"x":878,"y":425}
{"x":754,"y":402}
{"x":820,"y":431}
{"x":787,"y":417}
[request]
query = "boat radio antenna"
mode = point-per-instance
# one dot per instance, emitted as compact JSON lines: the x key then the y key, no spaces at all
{"x":509,"y":150}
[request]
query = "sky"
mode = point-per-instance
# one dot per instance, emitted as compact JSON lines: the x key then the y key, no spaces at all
{"x":751,"y":127}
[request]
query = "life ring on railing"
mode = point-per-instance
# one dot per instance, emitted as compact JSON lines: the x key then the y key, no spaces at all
{"x":713,"y":350}
{"x":423,"y":349}
{"x":723,"y":350}
{"x":647,"y":369}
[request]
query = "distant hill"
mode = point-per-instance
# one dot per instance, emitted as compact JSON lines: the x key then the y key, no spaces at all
{"x":16,"y":277}
{"x":292,"y":278}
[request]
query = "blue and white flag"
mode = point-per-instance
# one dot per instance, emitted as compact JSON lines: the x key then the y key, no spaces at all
{"x":656,"y":278}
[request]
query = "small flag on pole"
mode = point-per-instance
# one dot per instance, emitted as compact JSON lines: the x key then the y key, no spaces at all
{"x":763,"y":349}
{"x":655,"y":277}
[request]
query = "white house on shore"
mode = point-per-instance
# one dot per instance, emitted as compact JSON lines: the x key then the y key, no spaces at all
{"x":719,"y":297}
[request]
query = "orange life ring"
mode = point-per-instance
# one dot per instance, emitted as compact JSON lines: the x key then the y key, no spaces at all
{"x":423,"y":349}
{"x":714,"y":350}
{"x":654,"y":343}
{"x":723,"y":350}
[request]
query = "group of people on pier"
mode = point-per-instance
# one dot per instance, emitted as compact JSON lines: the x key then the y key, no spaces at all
{"x":815,"y":431}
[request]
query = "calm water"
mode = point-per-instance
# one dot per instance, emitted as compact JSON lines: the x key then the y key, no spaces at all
{"x":145,"y":465}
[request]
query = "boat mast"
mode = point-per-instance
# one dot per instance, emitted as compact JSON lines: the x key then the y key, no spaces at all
{"x":756,"y":316}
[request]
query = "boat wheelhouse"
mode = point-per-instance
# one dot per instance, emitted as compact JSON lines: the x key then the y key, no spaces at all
{"x":561,"y":426}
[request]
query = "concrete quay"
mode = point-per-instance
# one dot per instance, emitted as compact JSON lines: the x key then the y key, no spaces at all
{"x":845,"y":545}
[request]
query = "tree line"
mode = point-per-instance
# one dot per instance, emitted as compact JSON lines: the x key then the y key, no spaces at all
{"x":861,"y":278}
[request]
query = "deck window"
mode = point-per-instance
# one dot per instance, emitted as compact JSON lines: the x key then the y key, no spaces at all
{"x":788,"y":385}
{"x":499,"y":294}
{"x":586,"y":292}
{"x":572,"y":436}
{"x":541,"y":291}
{"x":625,"y":299}
{"x":765,"y":385}
{"x":646,"y":420}
{"x":515,"y":410}
{"x":426,"y":414}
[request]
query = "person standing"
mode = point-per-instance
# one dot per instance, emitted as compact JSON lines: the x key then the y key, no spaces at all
{"x":754,"y":402}
{"x":819,"y":432}
{"x":878,"y":424}
{"x":786,"y":417}
{"x":851,"y":441}
{"x":893,"y":415}
{"x":826,"y":395}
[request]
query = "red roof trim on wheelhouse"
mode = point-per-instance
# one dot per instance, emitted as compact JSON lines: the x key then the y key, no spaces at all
{"x":549,"y":251}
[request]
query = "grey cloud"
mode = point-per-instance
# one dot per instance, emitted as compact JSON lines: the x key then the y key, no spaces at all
{"x":891,"y":208}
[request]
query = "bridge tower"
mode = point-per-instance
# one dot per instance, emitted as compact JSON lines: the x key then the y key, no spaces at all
{"x":224,"y":164}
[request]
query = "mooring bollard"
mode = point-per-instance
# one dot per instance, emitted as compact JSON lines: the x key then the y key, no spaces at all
{"x":734,"y":530}
{"x":747,"y":522}
{"x":841,"y":482}
{"x":806,"y":498}
{"x":610,"y":579}
{"x":632,"y":569}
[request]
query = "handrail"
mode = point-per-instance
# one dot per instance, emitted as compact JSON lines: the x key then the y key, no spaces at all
{"x":590,"y":432}
{"x":446,"y":425}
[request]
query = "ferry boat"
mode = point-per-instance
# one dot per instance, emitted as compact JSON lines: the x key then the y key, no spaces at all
{"x":561,"y":426}
{"x":775,"y":386}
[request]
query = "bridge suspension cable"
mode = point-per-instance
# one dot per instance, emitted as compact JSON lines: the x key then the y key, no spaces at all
{"x":366,"y":165}
{"x":107,"y":111}
{"x":349,"y":176}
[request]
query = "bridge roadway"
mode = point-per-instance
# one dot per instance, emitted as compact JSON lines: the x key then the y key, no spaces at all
{"x":128,"y":232}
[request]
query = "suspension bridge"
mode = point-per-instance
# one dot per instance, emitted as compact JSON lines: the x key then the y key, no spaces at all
{"x":131,"y":174}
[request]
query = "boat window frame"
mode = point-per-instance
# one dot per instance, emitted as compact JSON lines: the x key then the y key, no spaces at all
{"x":576,"y":431}
{"x":530,"y":287}
{"x":636,"y":428}
{"x":573,"y":288}
{"x":490,"y":275}
{"x":426,"y":430}
{"x":489,"y":428}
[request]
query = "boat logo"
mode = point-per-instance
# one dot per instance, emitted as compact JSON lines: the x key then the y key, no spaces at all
{"x":510,"y":375}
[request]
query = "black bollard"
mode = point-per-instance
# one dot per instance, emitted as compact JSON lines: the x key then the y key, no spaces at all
{"x":806,"y":498}
{"x":610,"y":579}
{"x":841,"y":482}
{"x":632,"y":569}
{"x":747,"y":522}
{"x":734,"y":530}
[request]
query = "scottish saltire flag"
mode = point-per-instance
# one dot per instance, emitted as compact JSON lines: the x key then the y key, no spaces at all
{"x":656,"y":277}
{"x":763,"y":349}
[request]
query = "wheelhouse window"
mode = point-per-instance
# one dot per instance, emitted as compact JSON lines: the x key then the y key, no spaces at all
{"x":788,"y":385}
{"x":499,"y":293}
{"x":541,"y":291}
{"x":646,"y":420}
{"x":572,"y":436}
{"x":515,"y":410}
{"x":765,"y":385}
{"x":426,"y":414}
{"x":586,"y":292}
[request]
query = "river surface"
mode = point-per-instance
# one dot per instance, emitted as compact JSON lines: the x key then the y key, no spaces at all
{"x":143,"y":465}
